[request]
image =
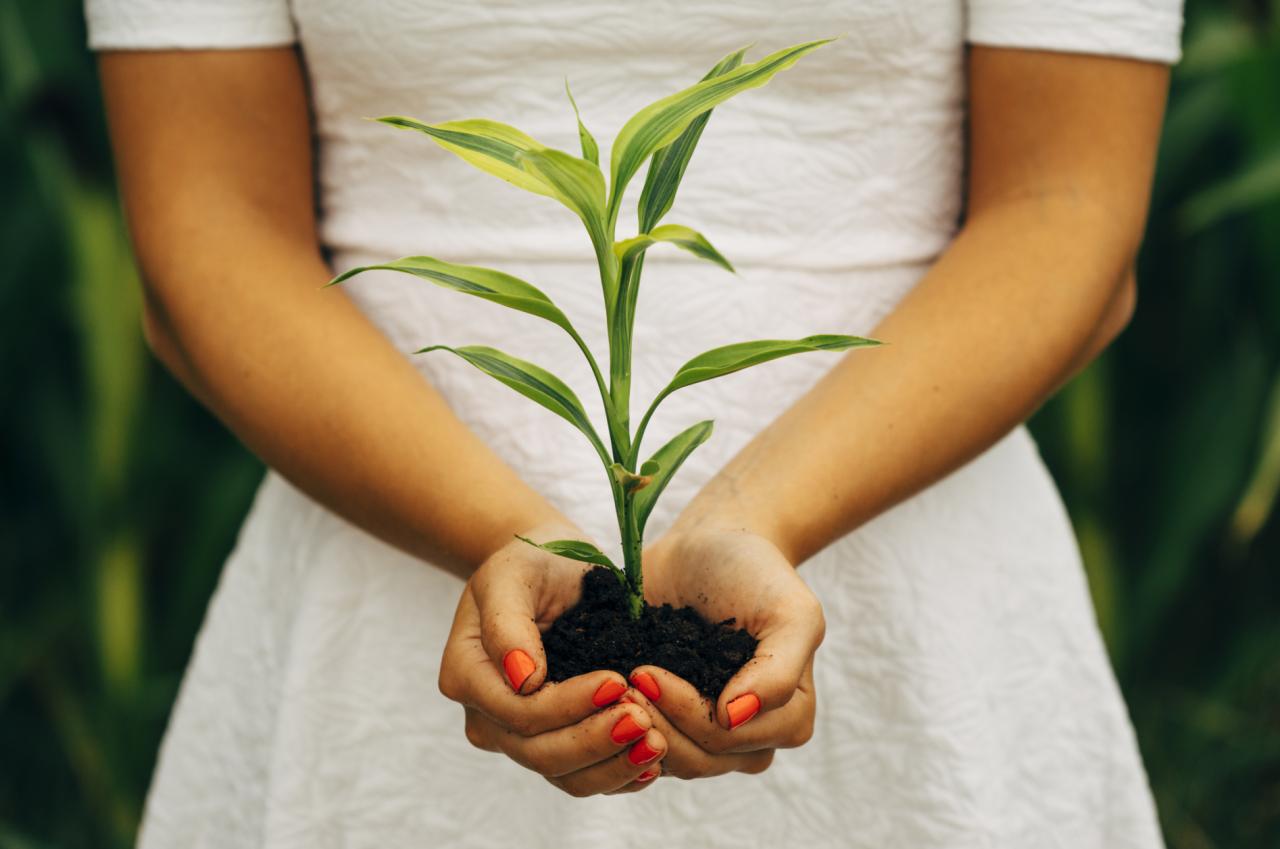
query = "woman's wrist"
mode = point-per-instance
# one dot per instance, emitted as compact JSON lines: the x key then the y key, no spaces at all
{"x":724,"y":506}
{"x":538,"y":521}
{"x":759,"y":493}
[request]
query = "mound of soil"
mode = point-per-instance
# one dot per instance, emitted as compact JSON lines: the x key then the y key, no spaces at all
{"x":598,"y":633}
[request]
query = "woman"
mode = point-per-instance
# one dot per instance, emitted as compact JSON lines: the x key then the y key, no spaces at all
{"x":967,"y":699}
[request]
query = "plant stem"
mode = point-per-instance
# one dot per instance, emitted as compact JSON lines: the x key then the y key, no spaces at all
{"x":634,"y":457}
{"x":618,"y":440}
{"x":620,"y":350}
{"x":618,"y":279}
{"x":620,"y":389}
{"x":632,"y":547}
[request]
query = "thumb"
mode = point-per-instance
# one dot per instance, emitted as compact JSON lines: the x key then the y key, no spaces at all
{"x":509,"y":630}
{"x":770,"y":678}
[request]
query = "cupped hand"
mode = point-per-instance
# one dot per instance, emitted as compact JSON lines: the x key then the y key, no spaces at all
{"x":575,"y":733}
{"x":770,"y":703}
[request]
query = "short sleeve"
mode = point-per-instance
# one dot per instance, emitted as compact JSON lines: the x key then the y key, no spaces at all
{"x":1135,"y":29}
{"x":191,"y":24}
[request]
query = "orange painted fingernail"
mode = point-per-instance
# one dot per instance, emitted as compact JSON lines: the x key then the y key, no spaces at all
{"x":519,"y":666}
{"x":648,"y":775}
{"x":608,"y":693}
{"x":642,"y":752}
{"x":742,"y":708}
{"x":626,"y":730}
{"x":647,"y":684}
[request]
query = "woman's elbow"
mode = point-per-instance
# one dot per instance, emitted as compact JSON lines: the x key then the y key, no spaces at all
{"x":152,"y":331}
{"x":1120,"y":310}
{"x":156,"y":331}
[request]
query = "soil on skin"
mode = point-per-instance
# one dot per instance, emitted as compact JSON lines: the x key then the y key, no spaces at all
{"x":598,"y":633}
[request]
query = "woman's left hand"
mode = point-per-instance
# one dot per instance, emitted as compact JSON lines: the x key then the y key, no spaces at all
{"x":770,"y":703}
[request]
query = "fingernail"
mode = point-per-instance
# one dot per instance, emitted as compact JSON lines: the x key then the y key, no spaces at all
{"x":742,"y":708}
{"x":626,"y":730}
{"x":608,"y":693}
{"x":647,"y":775}
{"x":647,"y":684}
{"x":642,"y":752}
{"x":519,"y":666}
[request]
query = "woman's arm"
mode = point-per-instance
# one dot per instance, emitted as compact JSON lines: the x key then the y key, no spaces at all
{"x":214,"y":156}
{"x":1036,"y":284}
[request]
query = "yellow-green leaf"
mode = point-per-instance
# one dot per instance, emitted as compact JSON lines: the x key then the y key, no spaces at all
{"x":496,"y":286}
{"x":661,"y":123}
{"x":677,"y":234}
{"x":590,"y":150}
{"x":488,"y":145}
{"x":574,"y":549}
{"x":664,"y":463}
{"x":575,"y":182}
{"x":531,"y":381}
{"x":579,"y":185}
{"x":730,"y":358}
{"x":667,"y":167}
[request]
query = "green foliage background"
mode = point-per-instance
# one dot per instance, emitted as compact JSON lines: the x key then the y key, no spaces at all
{"x":119,"y":497}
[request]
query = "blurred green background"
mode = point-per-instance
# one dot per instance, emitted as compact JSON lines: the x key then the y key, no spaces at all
{"x":119,"y":497}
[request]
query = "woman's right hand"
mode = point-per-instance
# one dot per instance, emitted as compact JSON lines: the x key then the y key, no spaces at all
{"x":724,"y":571}
{"x":574,"y":733}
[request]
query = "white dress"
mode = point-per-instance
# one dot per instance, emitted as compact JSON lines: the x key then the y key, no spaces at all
{"x":965,"y":696}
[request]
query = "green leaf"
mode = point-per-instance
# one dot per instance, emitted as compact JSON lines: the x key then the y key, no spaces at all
{"x":574,"y":549}
{"x":721,"y":361}
{"x":484,"y":283}
{"x":661,"y":123}
{"x":579,"y":185}
{"x":725,"y":360}
{"x":523,"y":161}
{"x":667,"y":167}
{"x":575,"y":182}
{"x":531,"y":381}
{"x":491,"y":285}
{"x":590,"y":150}
{"x":488,"y":145}
{"x":665,"y":461}
{"x":677,"y":234}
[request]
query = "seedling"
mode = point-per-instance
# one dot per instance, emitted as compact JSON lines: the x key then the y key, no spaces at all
{"x":665,"y":133}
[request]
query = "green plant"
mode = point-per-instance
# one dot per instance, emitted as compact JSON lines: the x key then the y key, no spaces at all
{"x":1201,"y":675}
{"x":665,"y":133}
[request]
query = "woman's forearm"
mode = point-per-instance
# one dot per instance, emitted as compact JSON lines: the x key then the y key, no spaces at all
{"x":1039,"y":280}
{"x":213,"y":150}
{"x":316,"y":391}
{"x":1012,"y":308}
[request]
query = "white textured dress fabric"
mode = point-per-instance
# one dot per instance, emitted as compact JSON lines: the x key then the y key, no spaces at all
{"x":965,"y":694}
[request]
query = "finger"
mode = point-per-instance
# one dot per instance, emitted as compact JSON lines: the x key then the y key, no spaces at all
{"x":618,"y":771}
{"x":771,"y":677}
{"x":692,"y":713}
{"x":469,"y":677}
{"x":556,"y":705}
{"x":641,"y":781}
{"x":686,"y":759}
{"x":508,"y":616}
{"x":567,"y":750}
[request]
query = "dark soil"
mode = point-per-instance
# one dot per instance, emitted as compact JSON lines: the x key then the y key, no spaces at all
{"x":599,"y":633}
